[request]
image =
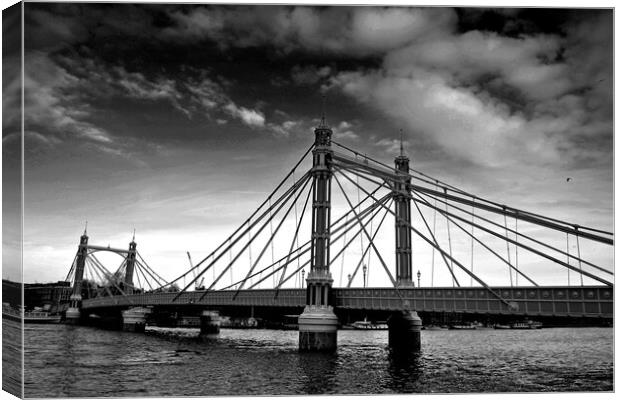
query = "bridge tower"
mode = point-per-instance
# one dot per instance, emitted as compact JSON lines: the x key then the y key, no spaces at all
{"x":404,"y":326}
{"x":402,"y":205}
{"x":131,"y":262}
{"x":318,"y":325}
{"x":75,"y":303}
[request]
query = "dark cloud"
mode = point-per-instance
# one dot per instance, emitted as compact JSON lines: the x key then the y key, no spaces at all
{"x":487,"y":98}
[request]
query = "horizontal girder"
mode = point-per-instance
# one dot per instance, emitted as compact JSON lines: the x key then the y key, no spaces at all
{"x":576,"y":301}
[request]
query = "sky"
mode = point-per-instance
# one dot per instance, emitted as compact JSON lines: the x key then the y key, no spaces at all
{"x":178,"y":120}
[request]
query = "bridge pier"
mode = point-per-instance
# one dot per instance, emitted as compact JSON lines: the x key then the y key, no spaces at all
{"x":404,"y":331}
{"x":134,"y":319}
{"x":209,"y":324}
{"x":318,"y":329}
{"x":73,"y":315}
{"x":318,"y":325}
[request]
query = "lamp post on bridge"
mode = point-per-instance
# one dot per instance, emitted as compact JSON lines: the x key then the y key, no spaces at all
{"x":364,"y":272}
{"x":318,"y":325}
{"x":419,"y":275}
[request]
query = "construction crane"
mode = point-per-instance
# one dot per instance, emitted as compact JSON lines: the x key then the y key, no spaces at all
{"x":199,"y":285}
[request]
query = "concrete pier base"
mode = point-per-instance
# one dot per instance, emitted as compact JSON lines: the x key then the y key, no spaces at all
{"x":318,"y":329}
{"x":134,"y":319}
{"x":404,"y":330}
{"x":72,"y":316}
{"x":209,"y":324}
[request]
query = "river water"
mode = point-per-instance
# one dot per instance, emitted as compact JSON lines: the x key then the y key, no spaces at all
{"x":67,"y":361}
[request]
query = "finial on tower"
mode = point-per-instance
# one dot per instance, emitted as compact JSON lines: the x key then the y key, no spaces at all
{"x":85,"y":227}
{"x":323,"y":124}
{"x":401,"y":143}
{"x":133,"y":239}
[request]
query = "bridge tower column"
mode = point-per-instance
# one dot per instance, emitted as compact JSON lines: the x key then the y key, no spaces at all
{"x":75,"y":301}
{"x":402,"y":205}
{"x":318,"y":325}
{"x":131,"y":262}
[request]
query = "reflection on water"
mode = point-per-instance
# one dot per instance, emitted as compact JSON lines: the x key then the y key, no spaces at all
{"x":80,"y":361}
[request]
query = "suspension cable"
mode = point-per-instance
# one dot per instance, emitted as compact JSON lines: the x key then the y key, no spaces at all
{"x":516,"y":251}
{"x":365,"y":232}
{"x":567,"y":260}
{"x":462,"y":267}
{"x":579,"y":258}
{"x":428,"y":204}
{"x":433,"y":253}
{"x":471,"y":281}
{"x":508,"y":247}
{"x":524,"y":214}
{"x":271,"y":229}
{"x":342,"y":260}
{"x":273,"y":192}
{"x":347,"y":228}
{"x":449,"y":243}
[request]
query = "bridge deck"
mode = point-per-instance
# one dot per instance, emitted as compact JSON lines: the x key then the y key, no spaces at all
{"x":586,"y":301}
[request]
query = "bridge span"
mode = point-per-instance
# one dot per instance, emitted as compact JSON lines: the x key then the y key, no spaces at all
{"x":551,"y":301}
{"x":514,"y":243}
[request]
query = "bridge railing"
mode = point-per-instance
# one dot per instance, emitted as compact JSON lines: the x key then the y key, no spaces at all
{"x":586,"y":301}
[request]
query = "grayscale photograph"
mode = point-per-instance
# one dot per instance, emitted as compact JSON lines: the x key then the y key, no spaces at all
{"x":258,"y":200}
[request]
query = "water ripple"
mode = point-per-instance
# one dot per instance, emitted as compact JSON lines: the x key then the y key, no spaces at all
{"x":80,"y":361}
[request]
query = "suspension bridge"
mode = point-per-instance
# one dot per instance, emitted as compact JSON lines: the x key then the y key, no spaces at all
{"x":482,"y":256}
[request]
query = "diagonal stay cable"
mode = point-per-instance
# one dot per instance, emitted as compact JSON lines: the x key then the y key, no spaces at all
{"x":284,"y":197}
{"x":347,"y":226}
{"x":295,"y":236}
{"x":523,"y":213}
{"x":305,"y":180}
{"x":428,"y":204}
{"x":368,"y":246}
{"x":271,"y":238}
{"x":436,"y":208}
{"x":521,"y":235}
{"x":442,"y":251}
{"x":387,"y":271}
{"x":432,"y":234}
{"x":232,"y":235}
{"x":72,"y":268}
{"x":528,"y":248}
{"x":491,"y":205}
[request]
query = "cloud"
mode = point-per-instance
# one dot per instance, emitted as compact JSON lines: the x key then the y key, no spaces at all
{"x":47,"y":104}
{"x":480,"y":96}
{"x":309,"y":75}
{"x":344,"y":130}
{"x":340,"y":30}
{"x":252,"y":118}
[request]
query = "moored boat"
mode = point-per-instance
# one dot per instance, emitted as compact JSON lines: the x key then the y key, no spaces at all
{"x":367,"y":325}
{"x":435,"y":327}
{"x":463,"y":327}
{"x":529,"y":324}
{"x":29,"y":317}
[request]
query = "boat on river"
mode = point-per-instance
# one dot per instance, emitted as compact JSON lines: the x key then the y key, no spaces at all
{"x":462,"y":327}
{"x":435,"y":327}
{"x":529,"y":324}
{"x":366,"y":325}
{"x":29,"y":317}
